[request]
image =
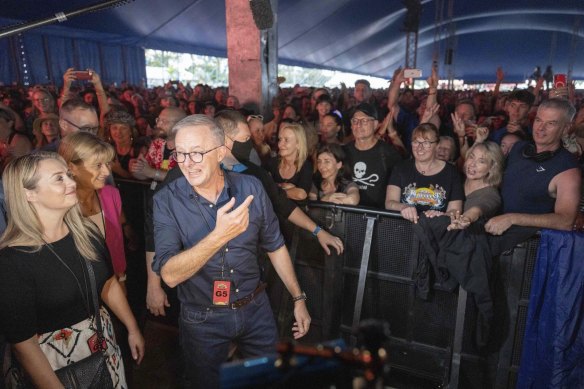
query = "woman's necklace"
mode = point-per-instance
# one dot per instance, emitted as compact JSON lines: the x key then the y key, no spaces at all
{"x":428,"y":168}
{"x":89,"y":206}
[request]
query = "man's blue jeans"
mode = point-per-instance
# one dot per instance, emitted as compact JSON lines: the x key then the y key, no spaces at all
{"x":207,"y":333}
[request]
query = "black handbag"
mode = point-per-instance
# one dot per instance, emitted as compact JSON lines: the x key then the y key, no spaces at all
{"x":91,"y":372}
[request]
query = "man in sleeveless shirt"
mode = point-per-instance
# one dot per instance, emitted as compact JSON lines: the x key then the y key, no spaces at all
{"x":541,"y":183}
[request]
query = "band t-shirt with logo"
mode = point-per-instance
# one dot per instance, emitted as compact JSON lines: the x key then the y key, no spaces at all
{"x":427,"y":192}
{"x":370,"y":170}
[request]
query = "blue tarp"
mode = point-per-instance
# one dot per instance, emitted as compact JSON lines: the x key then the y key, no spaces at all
{"x":553,"y":345}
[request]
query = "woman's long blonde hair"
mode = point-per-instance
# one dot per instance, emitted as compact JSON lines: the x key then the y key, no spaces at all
{"x":24,"y":227}
{"x":300,"y":135}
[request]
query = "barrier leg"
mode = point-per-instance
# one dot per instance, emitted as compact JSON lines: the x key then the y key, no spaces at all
{"x":458,"y":336}
{"x":363,"y":275}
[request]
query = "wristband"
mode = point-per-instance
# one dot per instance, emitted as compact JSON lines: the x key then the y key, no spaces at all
{"x":157,"y":175}
{"x":302,"y":296}
{"x":316,"y":230}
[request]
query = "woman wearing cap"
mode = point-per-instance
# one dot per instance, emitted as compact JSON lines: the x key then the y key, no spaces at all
{"x":291,"y":170}
{"x":120,"y":126}
{"x":424,"y":183}
{"x":46,"y":130}
{"x":12,"y":143}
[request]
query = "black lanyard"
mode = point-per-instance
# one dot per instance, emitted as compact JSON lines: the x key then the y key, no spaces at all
{"x":202,"y":211}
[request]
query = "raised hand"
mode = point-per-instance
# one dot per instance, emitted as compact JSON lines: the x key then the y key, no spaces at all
{"x":68,"y":78}
{"x":500,"y":74}
{"x":430,"y":111}
{"x":232,"y":222}
{"x":458,"y":124}
{"x":482,"y":133}
{"x":398,"y":76}
{"x":433,"y":79}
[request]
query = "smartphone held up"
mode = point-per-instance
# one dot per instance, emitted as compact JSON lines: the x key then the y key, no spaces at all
{"x":412,"y":73}
{"x":82,"y":75}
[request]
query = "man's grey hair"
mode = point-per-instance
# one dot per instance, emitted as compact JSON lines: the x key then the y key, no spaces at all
{"x":201,"y":121}
{"x":562,"y":105}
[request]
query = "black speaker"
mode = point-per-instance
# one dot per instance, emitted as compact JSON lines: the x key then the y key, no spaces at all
{"x":262,"y":13}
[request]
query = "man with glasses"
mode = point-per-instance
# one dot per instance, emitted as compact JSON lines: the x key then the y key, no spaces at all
{"x":75,"y":115}
{"x":369,"y":159}
{"x":208,"y":225}
{"x":237,"y":158}
{"x":159,"y":159}
{"x":43,"y":103}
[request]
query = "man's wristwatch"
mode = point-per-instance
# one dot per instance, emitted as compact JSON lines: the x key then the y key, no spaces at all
{"x":317,"y":230}
{"x":302,"y":296}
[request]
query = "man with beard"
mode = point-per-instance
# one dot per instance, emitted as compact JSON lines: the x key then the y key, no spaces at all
{"x":158,"y":159}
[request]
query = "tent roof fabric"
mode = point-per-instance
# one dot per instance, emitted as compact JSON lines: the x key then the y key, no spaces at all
{"x":360,"y":36}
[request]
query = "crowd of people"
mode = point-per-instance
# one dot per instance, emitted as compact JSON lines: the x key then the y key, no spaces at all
{"x":498,"y":159}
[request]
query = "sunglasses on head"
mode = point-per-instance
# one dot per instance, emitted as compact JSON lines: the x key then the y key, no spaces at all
{"x":259,"y":117}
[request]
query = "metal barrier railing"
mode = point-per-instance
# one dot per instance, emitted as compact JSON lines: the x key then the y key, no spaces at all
{"x":374,"y":279}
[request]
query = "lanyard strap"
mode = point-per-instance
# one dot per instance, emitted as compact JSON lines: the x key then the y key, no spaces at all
{"x":93,"y":287}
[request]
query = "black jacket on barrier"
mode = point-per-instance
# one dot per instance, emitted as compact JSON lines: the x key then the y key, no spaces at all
{"x":463,"y":257}
{"x":456,"y":257}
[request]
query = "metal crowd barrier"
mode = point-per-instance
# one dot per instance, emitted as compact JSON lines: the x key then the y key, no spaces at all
{"x":430,"y":339}
{"x":373,"y":278}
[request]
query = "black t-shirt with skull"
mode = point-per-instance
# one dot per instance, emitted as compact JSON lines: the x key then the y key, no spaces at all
{"x":370,"y":170}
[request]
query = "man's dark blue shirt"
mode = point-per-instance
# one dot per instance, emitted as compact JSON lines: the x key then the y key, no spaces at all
{"x":182,"y":219}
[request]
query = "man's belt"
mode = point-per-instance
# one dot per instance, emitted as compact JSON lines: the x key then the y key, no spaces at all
{"x":249,"y":298}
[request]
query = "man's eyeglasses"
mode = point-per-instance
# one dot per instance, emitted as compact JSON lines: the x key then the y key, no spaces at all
{"x":195,"y":156}
{"x":361,"y":121}
{"x":259,"y":117}
{"x":425,"y":144}
{"x":90,"y":129}
{"x":42,"y":100}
